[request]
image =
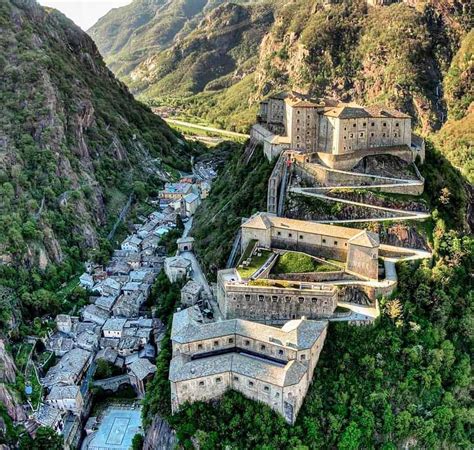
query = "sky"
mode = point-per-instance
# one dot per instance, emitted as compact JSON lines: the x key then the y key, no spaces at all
{"x":84,"y":13}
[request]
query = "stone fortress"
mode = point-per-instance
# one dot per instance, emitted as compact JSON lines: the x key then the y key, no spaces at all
{"x":270,"y":321}
{"x":335,"y":133}
{"x":268,"y":364}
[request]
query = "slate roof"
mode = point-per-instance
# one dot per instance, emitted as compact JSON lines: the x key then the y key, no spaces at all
{"x":366,"y":239}
{"x":63,"y":392}
{"x":263,"y":220}
{"x":141,"y":368}
{"x":297,"y":334}
{"x":182,"y":368}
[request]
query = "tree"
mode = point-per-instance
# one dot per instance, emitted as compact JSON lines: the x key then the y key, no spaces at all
{"x":137,"y":442}
{"x":45,"y":439}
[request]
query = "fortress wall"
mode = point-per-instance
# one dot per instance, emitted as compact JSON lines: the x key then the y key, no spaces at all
{"x":272,"y":304}
{"x":318,"y":175}
{"x":313,"y":276}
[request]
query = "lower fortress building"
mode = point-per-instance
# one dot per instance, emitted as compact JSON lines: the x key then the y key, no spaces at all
{"x":267,"y":364}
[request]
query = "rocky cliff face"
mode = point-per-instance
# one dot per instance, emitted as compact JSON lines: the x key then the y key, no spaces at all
{"x":72,"y":137}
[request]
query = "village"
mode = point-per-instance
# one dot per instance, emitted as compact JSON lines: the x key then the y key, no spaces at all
{"x":117,"y":330}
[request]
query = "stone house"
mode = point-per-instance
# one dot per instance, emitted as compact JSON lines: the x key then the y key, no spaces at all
{"x":191,"y":293}
{"x":67,"y":398}
{"x":177,"y":268}
{"x":113,"y":328}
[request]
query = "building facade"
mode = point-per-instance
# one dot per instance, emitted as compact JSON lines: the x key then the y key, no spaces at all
{"x":340,"y":134}
{"x":357,"y":248}
{"x":267,"y":364}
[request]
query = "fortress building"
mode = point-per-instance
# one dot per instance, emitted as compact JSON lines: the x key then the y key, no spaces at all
{"x":338,"y":134}
{"x":264,"y":363}
{"x":273,"y":301}
{"x":260,"y":297}
{"x":357,"y":248}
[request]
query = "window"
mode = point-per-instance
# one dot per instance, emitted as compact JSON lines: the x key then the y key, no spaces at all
{"x":236,"y":378}
{"x":345,"y":137}
{"x":335,"y":242}
{"x":247,"y":297}
{"x":297,"y":120}
{"x":297,"y":112}
{"x":396,"y":124}
{"x":280,"y":352}
{"x":262,"y":347}
{"x":261,"y":298}
{"x":314,"y":299}
{"x":297,"y":138}
{"x":297,"y":129}
{"x":266,"y":388}
{"x":247,"y":343}
{"x":345,"y":129}
{"x":361,"y":134}
{"x":216,"y":343}
{"x":290,"y":235}
{"x":302,"y":357}
{"x":372,"y":135}
{"x":199,"y":346}
{"x":395,"y":134}
{"x":201,"y":383}
{"x":354,"y":125}
{"x":384,"y":124}
{"x":324,"y":241}
{"x":274,"y":298}
{"x":218,"y":379}
{"x":250,"y":383}
{"x":277,"y":395}
{"x":231,"y":340}
{"x":301,"y":236}
{"x":287,"y":299}
{"x":351,"y":135}
{"x":364,"y":124}
{"x":383,"y":134}
{"x":278,"y":233}
{"x":372,"y":124}
{"x":300,"y":299}
{"x":297,"y":145}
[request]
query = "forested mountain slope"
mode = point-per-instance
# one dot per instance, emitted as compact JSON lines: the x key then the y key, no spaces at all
{"x":73,"y":141}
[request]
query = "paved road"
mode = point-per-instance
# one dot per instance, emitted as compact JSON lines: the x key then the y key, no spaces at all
{"x":197,"y":275}
{"x":204,"y":128}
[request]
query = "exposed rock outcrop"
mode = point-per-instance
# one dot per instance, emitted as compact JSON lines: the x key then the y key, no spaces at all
{"x":160,"y":436}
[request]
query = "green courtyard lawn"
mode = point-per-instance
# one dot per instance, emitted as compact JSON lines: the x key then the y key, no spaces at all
{"x":295,"y":262}
{"x":255,"y":264}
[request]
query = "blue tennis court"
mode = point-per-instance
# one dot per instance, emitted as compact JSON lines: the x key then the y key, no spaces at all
{"x":116,"y":429}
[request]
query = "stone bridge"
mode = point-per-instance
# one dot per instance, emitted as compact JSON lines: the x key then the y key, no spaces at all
{"x":112,"y":383}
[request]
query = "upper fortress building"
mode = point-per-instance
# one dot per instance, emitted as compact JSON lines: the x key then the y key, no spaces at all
{"x":338,"y":134}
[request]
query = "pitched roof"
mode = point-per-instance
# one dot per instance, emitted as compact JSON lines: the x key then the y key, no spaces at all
{"x":141,"y":368}
{"x":297,"y":334}
{"x":183,"y":368}
{"x":263,"y":220}
{"x":366,"y":239}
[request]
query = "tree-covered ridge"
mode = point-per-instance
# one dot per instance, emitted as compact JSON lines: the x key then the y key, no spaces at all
{"x":73,"y":140}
